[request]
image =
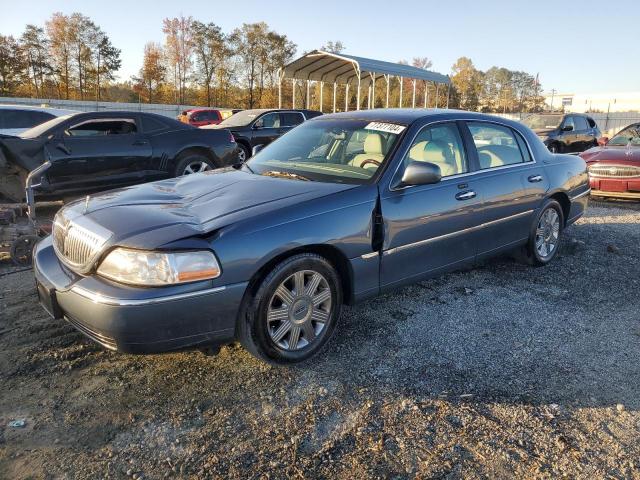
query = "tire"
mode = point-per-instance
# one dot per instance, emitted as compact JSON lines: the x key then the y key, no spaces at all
{"x":244,"y":153}
{"x":545,"y":234}
{"x":281,"y":331}
{"x":193,"y":163}
{"x":555,"y":148}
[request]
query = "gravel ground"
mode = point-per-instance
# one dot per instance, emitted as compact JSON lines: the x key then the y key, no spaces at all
{"x":499,"y":372}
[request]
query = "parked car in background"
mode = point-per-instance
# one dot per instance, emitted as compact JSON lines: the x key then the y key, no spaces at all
{"x":259,"y":127}
{"x":564,"y":133}
{"x":199,"y":117}
{"x":614,"y":166}
{"x":102,"y":150}
{"x":338,"y":210}
{"x":15,"y":119}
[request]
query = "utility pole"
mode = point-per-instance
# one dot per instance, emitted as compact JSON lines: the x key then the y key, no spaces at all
{"x":553,"y":92}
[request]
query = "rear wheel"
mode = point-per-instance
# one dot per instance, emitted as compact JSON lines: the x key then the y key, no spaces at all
{"x":555,"y":148}
{"x":294,"y":311}
{"x":193,"y":163}
{"x":546,"y":234}
{"x":243,"y":153}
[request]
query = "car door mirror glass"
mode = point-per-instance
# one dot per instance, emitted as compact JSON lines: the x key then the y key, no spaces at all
{"x":420,"y":173}
{"x":602,"y":141}
{"x":567,"y":128}
{"x":258,"y":125}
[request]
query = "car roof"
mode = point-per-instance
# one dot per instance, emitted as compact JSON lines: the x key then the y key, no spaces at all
{"x":53,"y":111}
{"x":203,"y":109}
{"x":409,"y":115}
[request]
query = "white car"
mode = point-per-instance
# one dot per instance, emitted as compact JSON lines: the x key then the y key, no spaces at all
{"x":15,"y":119}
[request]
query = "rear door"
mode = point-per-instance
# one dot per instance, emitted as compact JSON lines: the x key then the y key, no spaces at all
{"x":100,"y":153}
{"x":583,"y":133}
{"x":429,"y":228}
{"x":512,"y":185}
{"x":289,"y":120}
{"x":569,"y":135}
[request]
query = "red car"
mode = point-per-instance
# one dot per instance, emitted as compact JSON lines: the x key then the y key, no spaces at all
{"x":614,"y":165}
{"x":199,"y":117}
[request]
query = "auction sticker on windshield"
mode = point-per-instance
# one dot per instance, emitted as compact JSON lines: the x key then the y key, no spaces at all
{"x":385,"y":127}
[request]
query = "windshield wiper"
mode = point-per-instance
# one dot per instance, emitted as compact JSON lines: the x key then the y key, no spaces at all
{"x":277,"y":173}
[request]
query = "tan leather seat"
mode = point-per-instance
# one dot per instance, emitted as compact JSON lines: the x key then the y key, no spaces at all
{"x":372,"y":151}
{"x":492,"y":156}
{"x":437,"y":152}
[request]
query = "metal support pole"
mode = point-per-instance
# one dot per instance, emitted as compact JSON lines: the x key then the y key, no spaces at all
{"x":369,"y":97}
{"x":401,"y":82}
{"x":346,"y":98}
{"x":321,"y":94}
{"x":426,"y":94}
{"x":293,"y":94}
{"x":279,"y":90}
{"x":308,"y":96}
{"x":358,"y":95}
{"x":448,"y":92}
{"x":437,"y":92}
{"x":414,"y":95}
{"x":373,"y":92}
{"x":335,"y":85}
{"x":388,"y":79}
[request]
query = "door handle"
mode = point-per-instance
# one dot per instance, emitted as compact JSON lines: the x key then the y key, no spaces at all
{"x":535,"y":178}
{"x":466,"y":195}
{"x":140,"y":142}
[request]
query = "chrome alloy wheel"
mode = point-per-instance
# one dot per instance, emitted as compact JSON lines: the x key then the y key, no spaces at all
{"x":299,"y":310}
{"x":196,"y":166}
{"x":548,"y":233}
{"x":242,"y":155}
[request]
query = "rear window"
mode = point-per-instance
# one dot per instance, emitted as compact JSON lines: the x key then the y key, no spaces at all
{"x":151,"y":124}
{"x":22,"y":118}
{"x":591,"y":122}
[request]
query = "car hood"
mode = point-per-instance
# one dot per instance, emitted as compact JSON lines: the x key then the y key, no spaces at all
{"x":613,"y":154}
{"x":194,"y":205}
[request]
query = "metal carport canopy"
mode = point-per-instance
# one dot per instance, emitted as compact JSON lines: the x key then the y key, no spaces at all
{"x":350,"y":70}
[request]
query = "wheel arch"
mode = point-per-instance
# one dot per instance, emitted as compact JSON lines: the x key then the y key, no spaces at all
{"x":329,"y":252}
{"x":563,"y":199}
{"x":195,"y":149}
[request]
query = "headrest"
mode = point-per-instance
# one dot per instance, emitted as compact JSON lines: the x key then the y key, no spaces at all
{"x":373,"y":143}
{"x":437,"y":151}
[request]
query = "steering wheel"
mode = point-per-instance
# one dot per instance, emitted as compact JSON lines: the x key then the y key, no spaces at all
{"x":368,"y":161}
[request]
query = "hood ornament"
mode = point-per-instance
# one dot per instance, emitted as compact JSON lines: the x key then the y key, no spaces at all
{"x":86,"y":205}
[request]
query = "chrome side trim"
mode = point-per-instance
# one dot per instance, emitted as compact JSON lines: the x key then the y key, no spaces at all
{"x":125,"y":302}
{"x":453,"y":234}
{"x":580,"y":195}
{"x":367,"y":256}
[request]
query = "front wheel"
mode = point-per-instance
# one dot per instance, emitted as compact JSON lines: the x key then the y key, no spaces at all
{"x":294,"y":311}
{"x":546,"y":233}
{"x":193,"y":163}
{"x":243,"y":153}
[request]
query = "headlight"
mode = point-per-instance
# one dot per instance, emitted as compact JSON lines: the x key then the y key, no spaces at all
{"x":153,"y":269}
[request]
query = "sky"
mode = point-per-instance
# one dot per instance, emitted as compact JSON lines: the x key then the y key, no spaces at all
{"x":575,"y":46}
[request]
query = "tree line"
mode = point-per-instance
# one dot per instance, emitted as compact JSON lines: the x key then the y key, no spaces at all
{"x":197,"y":63}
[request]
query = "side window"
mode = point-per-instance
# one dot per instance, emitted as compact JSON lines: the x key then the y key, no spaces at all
{"x":568,"y":122}
{"x":497,"y":145}
{"x":442,"y":145}
{"x":150,"y":124}
{"x":97,"y":128}
{"x":270,"y":120}
{"x":581,"y":123}
{"x":291,"y":119}
{"x":591,"y":122}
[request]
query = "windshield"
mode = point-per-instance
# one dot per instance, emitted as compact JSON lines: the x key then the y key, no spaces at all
{"x":241,"y":119}
{"x":536,"y":122}
{"x":331,"y":150}
{"x":630,"y":135}
{"x":44,"y":127}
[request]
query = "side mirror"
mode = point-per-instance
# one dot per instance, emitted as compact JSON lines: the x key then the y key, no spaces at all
{"x":256,"y":149}
{"x":258,"y":125}
{"x":421,"y":173}
{"x":602,"y":141}
{"x":567,"y":128}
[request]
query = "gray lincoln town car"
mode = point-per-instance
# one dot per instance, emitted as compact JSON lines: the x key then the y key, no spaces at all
{"x":340,"y":209}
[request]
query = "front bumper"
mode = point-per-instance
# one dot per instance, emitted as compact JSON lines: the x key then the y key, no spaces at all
{"x":615,"y":187}
{"x":137,"y":320}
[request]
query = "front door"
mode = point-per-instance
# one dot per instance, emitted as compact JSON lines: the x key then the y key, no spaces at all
{"x":266,"y":129}
{"x":429,"y":228}
{"x":99,"y":153}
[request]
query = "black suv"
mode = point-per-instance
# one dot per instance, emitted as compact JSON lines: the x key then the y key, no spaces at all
{"x":564,"y":133}
{"x":259,"y":127}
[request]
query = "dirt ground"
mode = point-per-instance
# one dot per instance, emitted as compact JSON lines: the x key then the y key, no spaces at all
{"x":499,"y":372}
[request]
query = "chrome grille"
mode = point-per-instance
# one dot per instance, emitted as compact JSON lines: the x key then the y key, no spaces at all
{"x":614,"y":171}
{"x":77,"y":239}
